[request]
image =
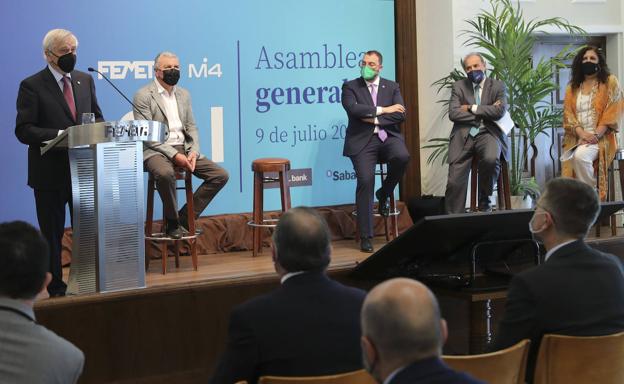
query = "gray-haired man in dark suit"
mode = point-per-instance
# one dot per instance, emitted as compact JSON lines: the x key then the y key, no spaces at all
{"x":476,"y":103}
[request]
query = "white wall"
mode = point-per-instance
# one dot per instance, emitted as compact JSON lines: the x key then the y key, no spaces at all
{"x":439,"y":23}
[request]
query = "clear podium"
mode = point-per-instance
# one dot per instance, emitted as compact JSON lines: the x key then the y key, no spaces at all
{"x":106,"y":164}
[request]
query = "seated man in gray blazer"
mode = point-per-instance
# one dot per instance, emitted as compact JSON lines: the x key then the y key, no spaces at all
{"x":161,"y":100}
{"x":29,"y":353}
{"x":476,"y":103}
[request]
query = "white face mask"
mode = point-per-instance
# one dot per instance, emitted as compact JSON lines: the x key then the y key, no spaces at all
{"x":531,"y":228}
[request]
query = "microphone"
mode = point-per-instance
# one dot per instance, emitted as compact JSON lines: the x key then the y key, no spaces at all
{"x":91,"y":69}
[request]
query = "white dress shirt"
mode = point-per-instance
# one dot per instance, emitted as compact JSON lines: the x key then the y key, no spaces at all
{"x":176,"y":134}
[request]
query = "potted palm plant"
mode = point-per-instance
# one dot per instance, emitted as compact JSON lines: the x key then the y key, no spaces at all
{"x":506,"y":40}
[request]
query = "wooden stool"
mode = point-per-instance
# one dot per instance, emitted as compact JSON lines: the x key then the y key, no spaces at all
{"x":162,"y":238}
{"x":502,"y":186}
{"x":260,"y":168}
{"x":392,"y":230}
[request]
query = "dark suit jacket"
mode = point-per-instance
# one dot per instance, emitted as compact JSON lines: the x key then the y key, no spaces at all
{"x":578,"y":291}
{"x":41,"y":113}
{"x":308,"y":326}
{"x":463,"y":94}
{"x":357,"y":101}
{"x":431,"y":371}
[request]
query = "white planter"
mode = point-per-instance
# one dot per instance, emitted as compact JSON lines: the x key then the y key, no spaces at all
{"x":521,"y":202}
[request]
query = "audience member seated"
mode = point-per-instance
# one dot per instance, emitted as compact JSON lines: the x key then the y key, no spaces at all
{"x":403,"y":334}
{"x":577,"y":291}
{"x":29,"y":353}
{"x":307,"y":327}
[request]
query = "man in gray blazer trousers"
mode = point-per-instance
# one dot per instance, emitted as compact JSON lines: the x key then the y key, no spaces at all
{"x":161,"y":100}
{"x":476,"y":103}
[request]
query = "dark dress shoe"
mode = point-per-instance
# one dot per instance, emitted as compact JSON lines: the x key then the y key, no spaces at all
{"x":384,"y":203}
{"x":365,"y":245}
{"x":175,"y":233}
{"x":198,"y":230}
{"x":57,"y":294}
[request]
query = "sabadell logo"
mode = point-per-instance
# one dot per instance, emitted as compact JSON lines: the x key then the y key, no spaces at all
{"x":340,"y":175}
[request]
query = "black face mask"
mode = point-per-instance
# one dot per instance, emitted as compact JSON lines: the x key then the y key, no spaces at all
{"x":171,"y":76}
{"x":589,"y":68}
{"x":66,"y":62}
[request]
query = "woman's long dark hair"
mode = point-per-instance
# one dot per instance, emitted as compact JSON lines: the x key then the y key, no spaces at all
{"x":577,"y":72}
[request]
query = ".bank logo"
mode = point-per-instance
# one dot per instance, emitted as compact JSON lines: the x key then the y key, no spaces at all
{"x":340,"y":175}
{"x":301,"y":177}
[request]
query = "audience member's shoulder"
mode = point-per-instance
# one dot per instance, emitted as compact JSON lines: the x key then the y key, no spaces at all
{"x":51,"y":339}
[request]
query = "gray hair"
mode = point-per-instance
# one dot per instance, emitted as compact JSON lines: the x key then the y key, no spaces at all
{"x":163,"y":54}
{"x":302,"y":240}
{"x":573,"y":205}
{"x":54,"y":36}
{"x":479,"y":55}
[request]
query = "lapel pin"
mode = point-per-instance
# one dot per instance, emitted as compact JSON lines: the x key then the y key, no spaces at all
{"x":78,"y":82}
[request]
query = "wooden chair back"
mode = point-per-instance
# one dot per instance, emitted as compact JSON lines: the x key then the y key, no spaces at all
{"x":507,"y":366}
{"x":576,"y":359}
{"x":356,"y":377}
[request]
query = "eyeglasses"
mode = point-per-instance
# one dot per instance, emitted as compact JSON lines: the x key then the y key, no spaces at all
{"x":546,"y":211}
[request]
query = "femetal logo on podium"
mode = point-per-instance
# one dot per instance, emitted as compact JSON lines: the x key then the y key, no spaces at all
{"x":126,"y":130}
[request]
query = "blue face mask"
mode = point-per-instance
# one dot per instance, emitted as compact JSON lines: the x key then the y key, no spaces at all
{"x":476,"y":76}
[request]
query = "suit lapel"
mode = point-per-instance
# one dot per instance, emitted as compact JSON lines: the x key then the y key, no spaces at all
{"x":79,"y":96}
{"x":485,"y":94}
{"x":181,"y":104}
{"x":55,"y":90}
{"x":382,"y":91}
{"x":365,"y":92}
{"x":156,"y":96}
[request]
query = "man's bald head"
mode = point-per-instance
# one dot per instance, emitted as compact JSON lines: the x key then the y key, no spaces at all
{"x":401,"y":318}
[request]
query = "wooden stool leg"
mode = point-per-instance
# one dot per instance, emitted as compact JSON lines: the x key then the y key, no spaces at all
{"x":164,"y":251}
{"x":177,"y":253}
{"x":473,"y":184}
{"x":284,"y":190}
{"x":190,"y":214}
{"x":149,"y":221}
{"x":506,"y":188}
{"x":257,"y":212}
{"x":394,"y":218}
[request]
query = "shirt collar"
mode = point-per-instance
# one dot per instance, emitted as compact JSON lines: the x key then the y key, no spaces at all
{"x":376,"y":82}
{"x":394,"y":373}
{"x":289,"y":275}
{"x":481,"y":84}
{"x":162,"y":89}
{"x":18,"y":306}
{"x":557,"y":247}
{"x":57,"y":75}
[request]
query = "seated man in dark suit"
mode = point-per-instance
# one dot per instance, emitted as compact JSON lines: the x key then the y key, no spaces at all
{"x":578,"y":291}
{"x":403,"y":334}
{"x":29,"y":353}
{"x":307,"y":327}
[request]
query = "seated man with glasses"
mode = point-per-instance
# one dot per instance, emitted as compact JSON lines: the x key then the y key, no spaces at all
{"x":375,"y":109}
{"x":577,"y":291}
{"x":161,"y":100}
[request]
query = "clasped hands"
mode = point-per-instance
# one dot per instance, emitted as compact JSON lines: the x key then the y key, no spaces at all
{"x":187,"y":162}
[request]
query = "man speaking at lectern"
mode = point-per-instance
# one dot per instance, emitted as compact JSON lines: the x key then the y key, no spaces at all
{"x":163,"y":101}
{"x":48,"y":102}
{"x":375,"y":109}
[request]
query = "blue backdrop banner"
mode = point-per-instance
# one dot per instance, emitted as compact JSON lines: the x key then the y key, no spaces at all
{"x":265,"y":78}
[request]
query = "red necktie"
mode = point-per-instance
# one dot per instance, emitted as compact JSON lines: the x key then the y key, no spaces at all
{"x":69,"y":96}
